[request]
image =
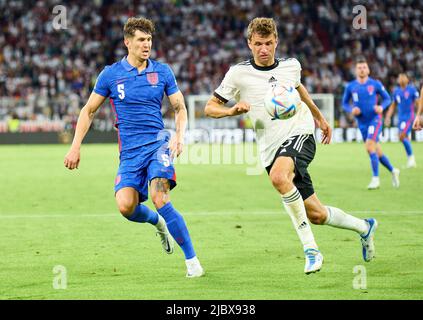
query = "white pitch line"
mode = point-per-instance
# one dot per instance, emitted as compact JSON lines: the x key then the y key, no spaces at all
{"x":202,"y":213}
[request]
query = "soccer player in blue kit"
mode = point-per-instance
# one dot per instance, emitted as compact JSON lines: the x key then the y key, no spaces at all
{"x":363,"y":91}
{"x":136,"y":86}
{"x":405,"y":95}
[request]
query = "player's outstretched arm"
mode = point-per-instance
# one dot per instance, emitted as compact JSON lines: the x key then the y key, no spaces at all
{"x":317,"y":115}
{"x":178,"y":104}
{"x":85,"y":119}
{"x":215,"y":108}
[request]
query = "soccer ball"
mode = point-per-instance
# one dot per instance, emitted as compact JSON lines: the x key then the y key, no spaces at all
{"x":282,"y":102}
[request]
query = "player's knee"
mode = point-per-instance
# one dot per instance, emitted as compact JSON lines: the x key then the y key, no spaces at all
{"x":316,"y":216}
{"x":159,"y":199}
{"x":126,"y":208}
{"x":281,"y":181}
{"x":371,"y":148}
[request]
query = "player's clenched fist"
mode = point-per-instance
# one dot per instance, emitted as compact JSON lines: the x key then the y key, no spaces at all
{"x":326,"y":131}
{"x":356,"y":111}
{"x":72,"y":159}
{"x":378,"y":109}
{"x":239,"y":108}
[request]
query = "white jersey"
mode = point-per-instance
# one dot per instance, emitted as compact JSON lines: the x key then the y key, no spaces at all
{"x":249,"y":83}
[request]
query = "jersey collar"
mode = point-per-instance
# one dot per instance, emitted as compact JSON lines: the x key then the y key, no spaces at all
{"x":267,"y":68}
{"x":364,"y":83}
{"x":128,"y":67}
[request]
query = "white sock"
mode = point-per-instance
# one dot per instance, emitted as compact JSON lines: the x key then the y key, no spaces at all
{"x":294,"y":205}
{"x":193,"y":262}
{"x":339,"y":219}
{"x":161,"y":224}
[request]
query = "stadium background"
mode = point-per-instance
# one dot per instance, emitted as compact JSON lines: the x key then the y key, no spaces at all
{"x":46,"y":75}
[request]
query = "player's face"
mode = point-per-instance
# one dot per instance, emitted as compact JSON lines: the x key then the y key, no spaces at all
{"x":362,"y":70}
{"x":402,"y":80}
{"x":263,"y":49}
{"x":139,"y":45}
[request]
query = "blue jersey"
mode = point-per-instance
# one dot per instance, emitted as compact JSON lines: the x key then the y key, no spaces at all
{"x":364,"y":96}
{"x":404,"y":99}
{"x":137,"y":99}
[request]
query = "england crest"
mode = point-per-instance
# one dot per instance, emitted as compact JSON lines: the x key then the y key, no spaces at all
{"x":153,"y":78}
{"x":370,"y":89}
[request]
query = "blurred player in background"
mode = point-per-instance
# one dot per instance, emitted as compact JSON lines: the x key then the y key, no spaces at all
{"x":368,"y":112}
{"x":417,"y":125}
{"x":136,"y":86}
{"x":286,"y":146}
{"x":404,"y":96}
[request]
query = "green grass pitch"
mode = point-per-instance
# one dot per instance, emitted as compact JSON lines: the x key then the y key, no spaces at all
{"x":50,"y":216}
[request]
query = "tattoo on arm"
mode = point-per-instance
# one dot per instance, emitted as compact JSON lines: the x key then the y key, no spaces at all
{"x":178,"y":105}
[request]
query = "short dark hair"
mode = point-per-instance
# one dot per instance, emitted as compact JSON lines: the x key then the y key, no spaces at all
{"x":142,"y":24}
{"x":360,"y":59}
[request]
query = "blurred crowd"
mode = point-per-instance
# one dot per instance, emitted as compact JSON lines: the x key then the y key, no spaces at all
{"x":48,"y":73}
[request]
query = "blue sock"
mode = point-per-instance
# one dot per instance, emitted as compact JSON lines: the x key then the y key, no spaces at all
{"x":375,"y":164}
{"x":407,"y":146}
{"x":144,"y":214}
{"x":178,"y":229}
{"x":385,"y":161}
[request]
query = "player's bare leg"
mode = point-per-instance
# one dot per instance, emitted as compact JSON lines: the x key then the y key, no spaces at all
{"x":160,"y":192}
{"x":159,"y":200}
{"x":160,"y":195}
{"x":282,"y":175}
{"x":317,"y":213}
{"x":127,"y":200}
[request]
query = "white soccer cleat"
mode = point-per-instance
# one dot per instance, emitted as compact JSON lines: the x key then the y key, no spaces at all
{"x":313,"y":261}
{"x":165,"y":237}
{"x":395,"y":178}
{"x":367,"y":240}
{"x":374,"y":183}
{"x":411,"y":162}
{"x":194,"y":268}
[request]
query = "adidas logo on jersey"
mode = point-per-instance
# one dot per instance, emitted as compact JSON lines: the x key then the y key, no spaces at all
{"x":272,"y":79}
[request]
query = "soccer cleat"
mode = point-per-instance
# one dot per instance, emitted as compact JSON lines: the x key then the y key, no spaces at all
{"x":314,"y":261}
{"x":411,"y":163}
{"x":367,"y":240}
{"x":395,"y":178}
{"x":165,"y":237}
{"x":374,"y":183}
{"x":194,"y":268}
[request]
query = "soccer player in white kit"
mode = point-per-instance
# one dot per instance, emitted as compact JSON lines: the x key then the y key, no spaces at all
{"x":286,"y":146}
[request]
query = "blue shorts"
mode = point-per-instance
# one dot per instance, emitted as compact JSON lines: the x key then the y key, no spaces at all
{"x":371,"y":130}
{"x":139,"y":166}
{"x":405,"y":124}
